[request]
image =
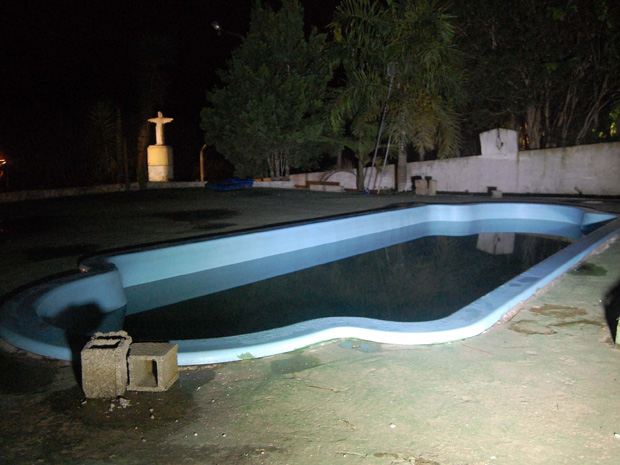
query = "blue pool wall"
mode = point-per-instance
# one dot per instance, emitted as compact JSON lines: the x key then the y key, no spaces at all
{"x":27,"y":321}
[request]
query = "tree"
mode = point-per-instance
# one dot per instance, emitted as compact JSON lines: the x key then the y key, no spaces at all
{"x":102,"y":137}
{"x":360,"y":46}
{"x":418,"y":37}
{"x":362,"y":144}
{"x":270,"y":114}
{"x":549,"y":69}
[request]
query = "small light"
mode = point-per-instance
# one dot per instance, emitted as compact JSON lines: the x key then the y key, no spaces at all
{"x":215,"y":25}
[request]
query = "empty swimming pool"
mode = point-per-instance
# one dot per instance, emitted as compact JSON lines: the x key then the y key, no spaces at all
{"x":418,"y":280}
{"x":131,"y":284}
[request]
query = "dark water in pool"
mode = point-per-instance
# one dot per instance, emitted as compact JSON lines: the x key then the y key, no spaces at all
{"x":420,"y":280}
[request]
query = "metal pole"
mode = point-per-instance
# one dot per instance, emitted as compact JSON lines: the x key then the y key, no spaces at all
{"x":202,"y":167}
{"x":391,"y":72}
{"x":387,"y":151}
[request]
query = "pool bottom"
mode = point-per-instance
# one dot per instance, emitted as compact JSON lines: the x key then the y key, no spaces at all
{"x":421,"y":280}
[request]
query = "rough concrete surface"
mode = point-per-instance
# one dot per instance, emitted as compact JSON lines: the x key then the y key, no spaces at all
{"x":540,"y":388}
{"x":103,"y":363}
{"x":152,"y":366}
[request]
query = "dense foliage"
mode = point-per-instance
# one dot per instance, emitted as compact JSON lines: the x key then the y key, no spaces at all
{"x":414,"y":39}
{"x":270,"y":113}
{"x":74,"y":113}
{"x":546,"y":68}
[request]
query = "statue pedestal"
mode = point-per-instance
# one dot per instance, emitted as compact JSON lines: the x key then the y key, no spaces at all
{"x":160,"y":163}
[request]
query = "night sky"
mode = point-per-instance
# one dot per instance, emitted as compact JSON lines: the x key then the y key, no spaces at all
{"x":57,"y":58}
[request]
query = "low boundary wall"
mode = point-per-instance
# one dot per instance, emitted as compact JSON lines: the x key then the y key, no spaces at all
{"x":582,"y":170}
{"x":347,"y":178}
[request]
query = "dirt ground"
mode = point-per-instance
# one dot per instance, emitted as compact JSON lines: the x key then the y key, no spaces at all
{"x":540,"y":388}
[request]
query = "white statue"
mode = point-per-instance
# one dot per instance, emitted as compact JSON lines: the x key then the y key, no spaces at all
{"x":159,"y":127}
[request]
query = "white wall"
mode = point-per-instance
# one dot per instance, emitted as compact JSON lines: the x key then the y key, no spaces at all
{"x":348,"y":178}
{"x":587,"y":169}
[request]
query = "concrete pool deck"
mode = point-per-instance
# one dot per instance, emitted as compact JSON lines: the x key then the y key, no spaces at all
{"x":540,"y":388}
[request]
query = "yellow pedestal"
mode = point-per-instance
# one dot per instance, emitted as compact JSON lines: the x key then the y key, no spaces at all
{"x":160,"y":163}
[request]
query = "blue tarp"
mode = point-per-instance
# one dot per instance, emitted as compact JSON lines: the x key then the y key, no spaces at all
{"x":230,"y":184}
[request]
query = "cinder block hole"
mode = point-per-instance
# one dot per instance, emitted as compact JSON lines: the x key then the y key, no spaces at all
{"x":106,"y":345}
{"x":144,"y":373}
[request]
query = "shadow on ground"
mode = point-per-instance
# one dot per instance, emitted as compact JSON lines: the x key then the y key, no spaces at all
{"x":612,"y":310}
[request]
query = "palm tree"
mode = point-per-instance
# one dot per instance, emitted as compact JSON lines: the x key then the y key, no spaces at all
{"x":362,"y":143}
{"x":360,"y":47}
{"x":102,"y":138}
{"x":418,"y":36}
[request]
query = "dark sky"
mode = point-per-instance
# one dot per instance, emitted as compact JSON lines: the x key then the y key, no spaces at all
{"x":59,"y":57}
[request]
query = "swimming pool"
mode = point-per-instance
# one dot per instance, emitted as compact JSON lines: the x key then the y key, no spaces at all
{"x":418,"y":280}
{"x":42,"y":319}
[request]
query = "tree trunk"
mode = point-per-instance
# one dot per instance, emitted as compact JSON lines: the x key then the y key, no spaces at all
{"x":202,"y":163}
{"x":120,"y":153}
{"x":126,"y":165}
{"x":401,"y":172}
{"x":271,"y":164}
{"x":534,"y":130}
{"x":277,"y":168}
{"x":591,"y":119}
{"x":142,"y":167}
{"x":360,"y":175}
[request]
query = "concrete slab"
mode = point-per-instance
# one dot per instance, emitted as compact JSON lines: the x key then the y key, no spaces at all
{"x":538,"y":389}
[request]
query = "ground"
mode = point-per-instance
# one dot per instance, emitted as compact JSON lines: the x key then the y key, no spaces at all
{"x":540,"y":388}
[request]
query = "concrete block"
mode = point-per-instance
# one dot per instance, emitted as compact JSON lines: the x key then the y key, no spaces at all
{"x":421,"y":186}
{"x":432,"y":187}
{"x":104,"y":365}
{"x":152,"y":366}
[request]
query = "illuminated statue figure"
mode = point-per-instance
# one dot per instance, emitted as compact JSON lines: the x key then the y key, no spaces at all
{"x":159,"y":127}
